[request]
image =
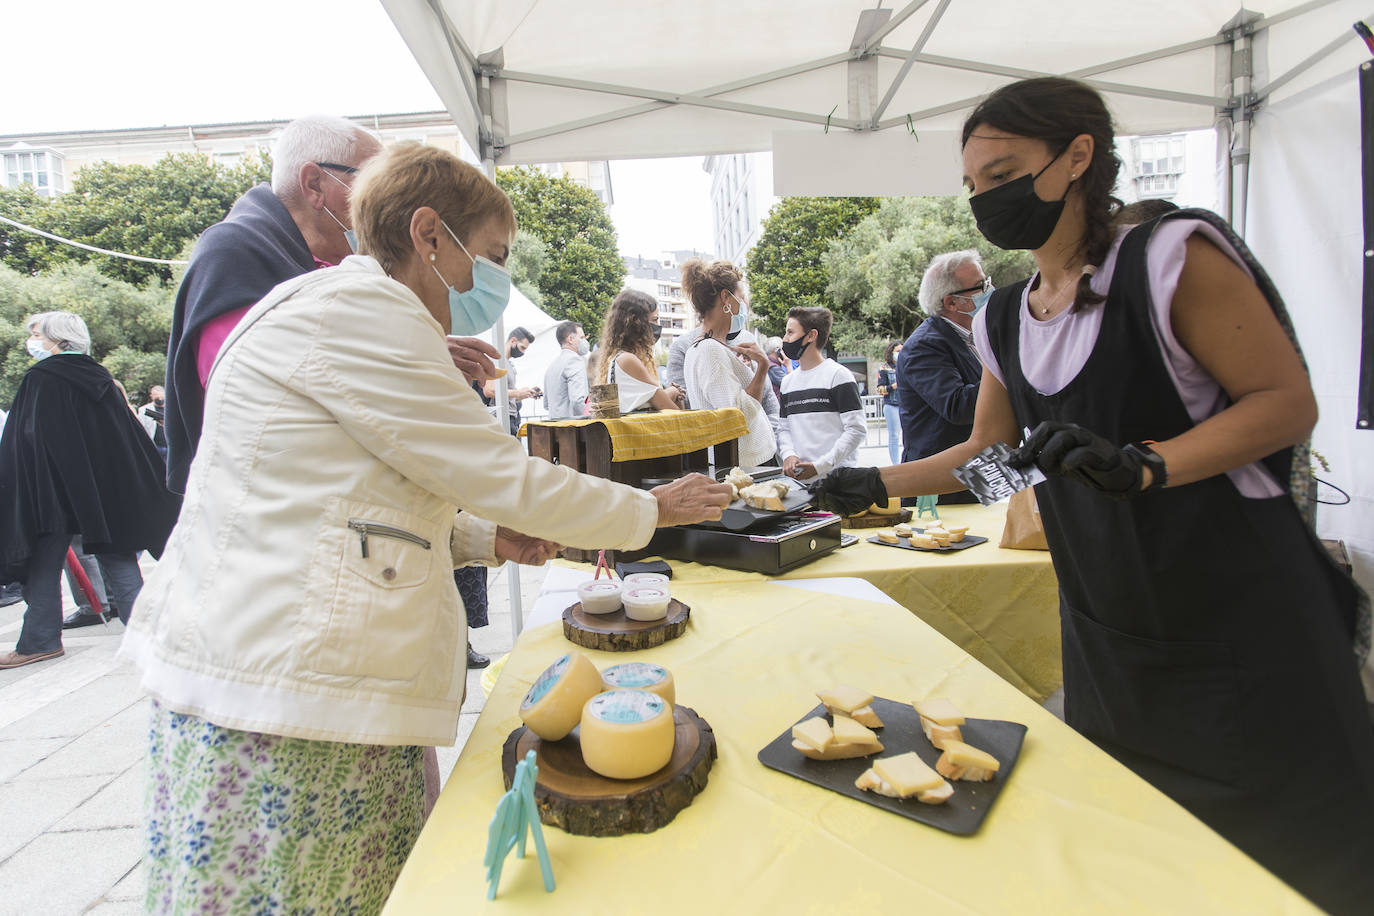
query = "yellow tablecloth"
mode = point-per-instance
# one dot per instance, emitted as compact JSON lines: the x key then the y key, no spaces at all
{"x":1073,"y":831}
{"x":1000,"y":606}
{"x":667,"y":432}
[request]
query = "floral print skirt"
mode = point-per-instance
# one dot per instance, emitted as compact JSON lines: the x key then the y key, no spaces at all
{"x":247,"y":823}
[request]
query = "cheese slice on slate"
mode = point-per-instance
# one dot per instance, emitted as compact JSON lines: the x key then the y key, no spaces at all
{"x":814,"y":732}
{"x":962,"y":761}
{"x":907,"y":773}
{"x":627,"y":734}
{"x":940,"y":711}
{"x":553,"y":706}
{"x":847,"y":731}
{"x":845,"y":698}
{"x":640,"y":676}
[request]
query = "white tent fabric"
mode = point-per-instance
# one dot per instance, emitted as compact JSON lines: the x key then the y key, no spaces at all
{"x":825,"y":83}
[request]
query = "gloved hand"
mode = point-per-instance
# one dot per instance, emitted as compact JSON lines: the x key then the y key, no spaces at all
{"x":1070,"y":451}
{"x":847,"y":491}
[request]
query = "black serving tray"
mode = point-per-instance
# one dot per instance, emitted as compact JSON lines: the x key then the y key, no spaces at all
{"x":970,"y":540}
{"x":740,"y":516}
{"x":965,"y":811}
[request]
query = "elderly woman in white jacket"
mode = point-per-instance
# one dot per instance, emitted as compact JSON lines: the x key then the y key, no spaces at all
{"x":302,"y":637}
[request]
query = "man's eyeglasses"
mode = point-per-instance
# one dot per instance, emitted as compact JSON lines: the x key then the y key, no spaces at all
{"x":346,"y":169}
{"x":984,"y":287}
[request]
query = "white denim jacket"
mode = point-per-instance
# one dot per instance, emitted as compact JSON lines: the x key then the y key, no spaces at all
{"x":307,"y":589}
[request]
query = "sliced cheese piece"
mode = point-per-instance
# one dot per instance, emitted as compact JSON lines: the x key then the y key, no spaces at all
{"x":893,"y":506}
{"x":844,"y":698}
{"x":940,"y":711}
{"x":553,"y":705}
{"x":766,"y":495}
{"x":814,"y":732}
{"x":865,"y":715}
{"x":888,"y":536}
{"x":907,"y":773}
{"x":847,"y":731}
{"x":627,"y":734}
{"x":962,"y":761}
{"x":940,"y":735}
{"x":838,"y":751}
{"x":640,"y":676}
{"x":956,"y":529}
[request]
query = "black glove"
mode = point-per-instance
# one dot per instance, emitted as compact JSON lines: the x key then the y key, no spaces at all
{"x":1070,"y":451}
{"x":848,"y":491}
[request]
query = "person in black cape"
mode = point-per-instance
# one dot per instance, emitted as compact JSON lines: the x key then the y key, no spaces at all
{"x":74,"y":460}
{"x":1209,"y":642}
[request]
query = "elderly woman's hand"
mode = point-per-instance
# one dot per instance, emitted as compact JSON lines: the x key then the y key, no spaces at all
{"x":523,"y":549}
{"x":691,"y":499}
{"x":474,"y":357}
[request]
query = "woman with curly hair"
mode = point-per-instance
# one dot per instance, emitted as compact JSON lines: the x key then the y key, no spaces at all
{"x":625,"y":356}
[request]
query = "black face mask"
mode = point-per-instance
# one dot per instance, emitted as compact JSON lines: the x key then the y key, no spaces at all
{"x":515,"y":353}
{"x":658,"y":331}
{"x":1012,"y":216}
{"x":793,"y":349}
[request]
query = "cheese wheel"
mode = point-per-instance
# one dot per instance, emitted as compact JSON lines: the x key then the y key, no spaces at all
{"x":553,"y":706}
{"x":627,"y":734}
{"x":640,"y":676}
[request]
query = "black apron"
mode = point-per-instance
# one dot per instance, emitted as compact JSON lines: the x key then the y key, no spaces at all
{"x":1207,"y":638}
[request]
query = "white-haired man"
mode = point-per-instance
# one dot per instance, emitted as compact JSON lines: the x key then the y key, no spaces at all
{"x":272,"y":234}
{"x":938,"y":370}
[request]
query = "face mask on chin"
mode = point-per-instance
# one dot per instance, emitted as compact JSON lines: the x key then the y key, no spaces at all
{"x":1013,"y":217}
{"x":737,"y":320}
{"x":350,"y":236}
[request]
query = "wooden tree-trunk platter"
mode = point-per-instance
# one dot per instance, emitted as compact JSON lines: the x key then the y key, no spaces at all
{"x":615,"y":632}
{"x":876,"y":521}
{"x":576,"y":800}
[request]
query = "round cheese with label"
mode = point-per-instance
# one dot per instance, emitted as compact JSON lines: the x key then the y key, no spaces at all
{"x":640,"y":676}
{"x":627,"y":734}
{"x":553,"y":706}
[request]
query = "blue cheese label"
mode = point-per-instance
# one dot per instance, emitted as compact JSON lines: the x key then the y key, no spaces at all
{"x":626,"y":706}
{"x":634,"y":675}
{"x":546,"y":681}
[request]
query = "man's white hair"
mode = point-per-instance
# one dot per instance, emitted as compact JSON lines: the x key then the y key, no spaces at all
{"x":313,"y":138}
{"x":66,"y":330}
{"x":939,"y":281}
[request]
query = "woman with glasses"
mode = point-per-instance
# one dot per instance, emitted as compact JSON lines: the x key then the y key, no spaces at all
{"x":302,"y":637}
{"x":1209,"y":642}
{"x":719,"y":372}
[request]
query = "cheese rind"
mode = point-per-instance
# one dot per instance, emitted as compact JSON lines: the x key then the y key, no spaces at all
{"x":553,"y":705}
{"x":627,"y":734}
{"x":907,"y":773}
{"x":640,"y":676}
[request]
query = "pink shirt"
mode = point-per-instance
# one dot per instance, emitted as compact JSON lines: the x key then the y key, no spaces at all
{"x":217,"y":331}
{"x":1054,"y":350}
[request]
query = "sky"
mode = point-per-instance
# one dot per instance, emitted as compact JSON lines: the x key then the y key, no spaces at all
{"x":148,"y":63}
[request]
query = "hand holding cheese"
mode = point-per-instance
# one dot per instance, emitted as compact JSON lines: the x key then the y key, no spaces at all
{"x":690,"y":499}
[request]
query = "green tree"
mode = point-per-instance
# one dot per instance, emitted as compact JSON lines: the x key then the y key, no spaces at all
{"x":151,"y":211}
{"x":785,"y":268}
{"x":875,"y":271}
{"x":129,"y":325}
{"x":528,"y":258}
{"x":582,"y":269}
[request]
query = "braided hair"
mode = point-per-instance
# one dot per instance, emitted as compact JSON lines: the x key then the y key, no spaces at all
{"x":1055,"y":111}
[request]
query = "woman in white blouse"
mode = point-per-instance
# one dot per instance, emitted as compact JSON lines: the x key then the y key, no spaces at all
{"x":625,"y":356}
{"x":720,"y":373}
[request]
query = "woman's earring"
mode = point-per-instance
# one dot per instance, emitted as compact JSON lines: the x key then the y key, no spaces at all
{"x":432,"y":257}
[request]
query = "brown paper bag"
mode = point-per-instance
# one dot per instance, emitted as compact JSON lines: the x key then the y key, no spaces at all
{"x":1023,"y":530}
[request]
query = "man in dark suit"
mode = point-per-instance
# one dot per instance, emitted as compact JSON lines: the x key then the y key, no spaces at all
{"x":938,"y":371}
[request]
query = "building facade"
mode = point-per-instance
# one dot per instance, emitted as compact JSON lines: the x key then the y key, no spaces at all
{"x":741,"y":196}
{"x":661,"y":278}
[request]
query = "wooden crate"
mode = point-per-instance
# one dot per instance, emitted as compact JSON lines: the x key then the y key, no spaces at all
{"x":588,"y":449}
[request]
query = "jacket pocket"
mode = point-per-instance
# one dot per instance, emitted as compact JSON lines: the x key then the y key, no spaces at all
{"x":1172,"y":701}
{"x":373,"y":584}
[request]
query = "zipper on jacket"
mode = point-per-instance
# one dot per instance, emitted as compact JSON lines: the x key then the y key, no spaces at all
{"x":364,"y":528}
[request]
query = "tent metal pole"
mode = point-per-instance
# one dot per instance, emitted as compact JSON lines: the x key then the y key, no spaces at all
{"x":1242,"y":119}
{"x":906,"y":65}
{"x":877,"y":37}
{"x":463,"y":57}
{"x":1277,"y":83}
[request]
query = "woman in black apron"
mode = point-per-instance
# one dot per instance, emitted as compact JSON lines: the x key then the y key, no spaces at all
{"x":1207,"y":636}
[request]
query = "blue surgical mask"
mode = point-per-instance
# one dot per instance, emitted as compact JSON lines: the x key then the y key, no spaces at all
{"x":36,"y":349}
{"x":981,"y":300}
{"x":477,"y":309}
{"x":736,"y":319}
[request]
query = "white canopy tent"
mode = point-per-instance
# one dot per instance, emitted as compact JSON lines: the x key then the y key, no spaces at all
{"x":853,"y":100}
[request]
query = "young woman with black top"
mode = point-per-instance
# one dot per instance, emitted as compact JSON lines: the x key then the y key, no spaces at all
{"x":1209,"y":643}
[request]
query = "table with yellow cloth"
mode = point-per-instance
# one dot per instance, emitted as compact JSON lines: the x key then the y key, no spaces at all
{"x":1072,"y":832}
{"x":1000,"y":606}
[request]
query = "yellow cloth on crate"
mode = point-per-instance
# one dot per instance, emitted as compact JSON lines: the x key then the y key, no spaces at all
{"x":1000,"y":606}
{"x":667,"y":432}
{"x":1073,"y":831}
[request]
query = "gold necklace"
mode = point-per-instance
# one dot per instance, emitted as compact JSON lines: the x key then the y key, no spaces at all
{"x":1071,"y":288}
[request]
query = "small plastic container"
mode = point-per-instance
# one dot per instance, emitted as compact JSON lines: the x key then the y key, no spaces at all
{"x":645,"y":603}
{"x":600,"y":596}
{"x":650,"y":580}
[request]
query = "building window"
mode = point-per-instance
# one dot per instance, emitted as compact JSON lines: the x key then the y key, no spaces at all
{"x":1159,"y":163}
{"x":39,"y":169}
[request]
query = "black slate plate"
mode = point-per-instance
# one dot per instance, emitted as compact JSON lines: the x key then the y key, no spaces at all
{"x":963,"y":814}
{"x":739,"y":515}
{"x":970,"y":540}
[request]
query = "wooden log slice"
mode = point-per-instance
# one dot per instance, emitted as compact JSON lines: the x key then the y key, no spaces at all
{"x":615,"y":632}
{"x":876,"y":521}
{"x":576,"y":800}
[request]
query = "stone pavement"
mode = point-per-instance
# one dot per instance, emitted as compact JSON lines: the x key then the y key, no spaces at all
{"x":72,"y":743}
